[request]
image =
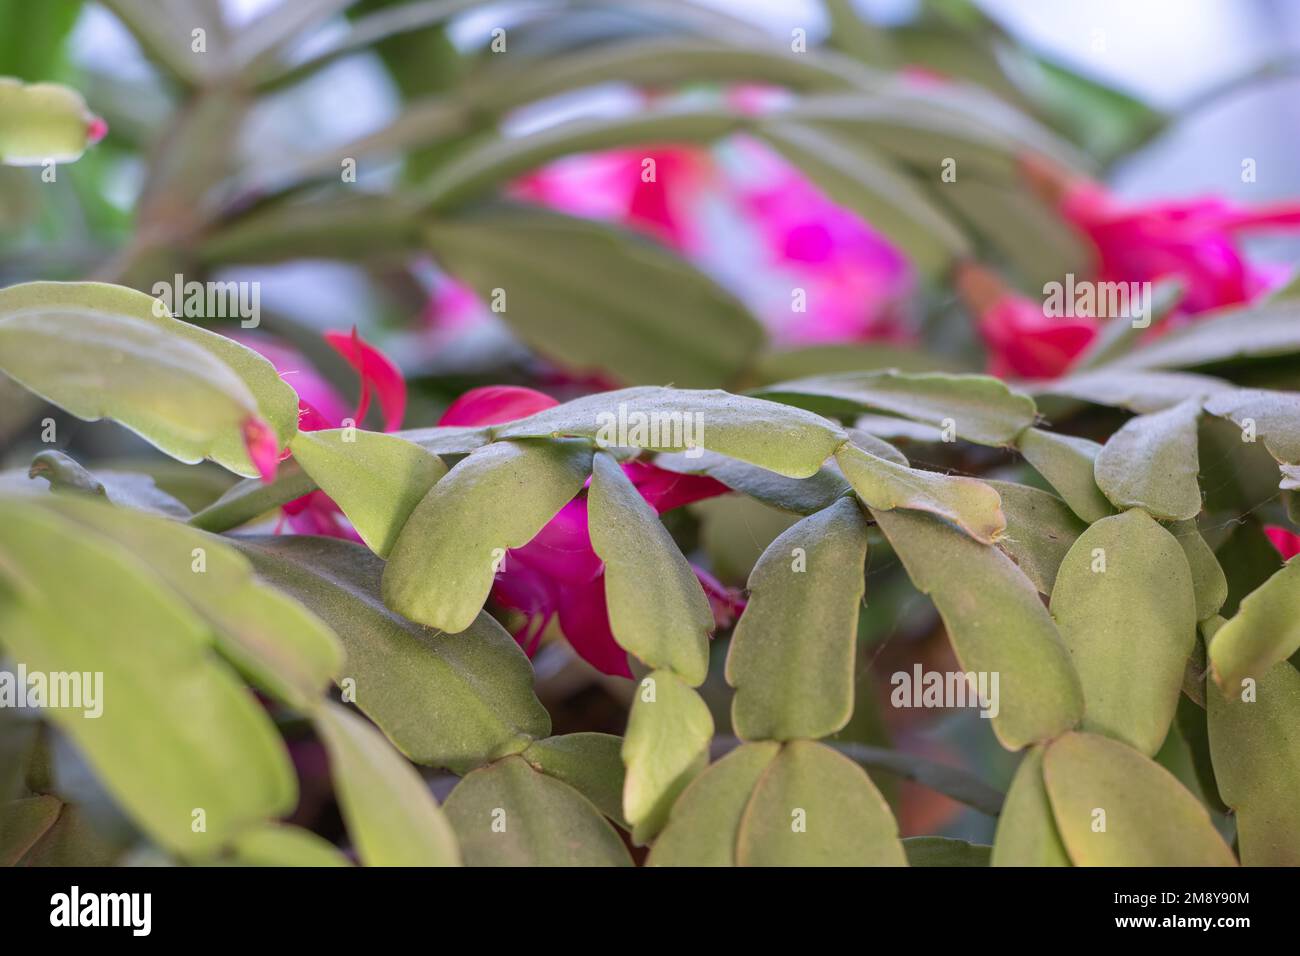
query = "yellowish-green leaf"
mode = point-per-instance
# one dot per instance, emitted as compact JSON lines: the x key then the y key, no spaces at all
{"x":447,"y":700}
{"x":390,"y":813}
{"x":882,"y":485}
{"x":1208,"y":579}
{"x":1026,"y":834}
{"x":175,"y":730}
{"x":974,"y":408}
{"x":666,"y":745}
{"x":705,"y":821}
{"x":1255,"y":747}
{"x":1115,"y":807}
{"x":41,"y":122}
{"x":786,"y":440}
{"x":1265,"y":630}
{"x":815,"y":807}
{"x":376,"y":479}
{"x":1151,"y":463}
{"x":497,"y":498}
{"x":1126,"y":611}
{"x":508,"y":814}
{"x":590,"y":763}
{"x":657,"y":608}
{"x":791,"y":656}
{"x":997,"y":625}
{"x":277,"y":844}
{"x":1068,"y":465}
{"x":283,"y":647}
{"x":1040,"y":530}
{"x":104,"y":351}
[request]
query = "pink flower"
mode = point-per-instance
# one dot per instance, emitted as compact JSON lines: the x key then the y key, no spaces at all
{"x":780,"y":232}
{"x":1022,"y":341}
{"x":1195,"y":241}
{"x":1286,"y":541}
{"x":558,"y":576}
{"x":320,"y":406}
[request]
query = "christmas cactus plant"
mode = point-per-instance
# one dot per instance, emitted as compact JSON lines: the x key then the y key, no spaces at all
{"x":718,"y":511}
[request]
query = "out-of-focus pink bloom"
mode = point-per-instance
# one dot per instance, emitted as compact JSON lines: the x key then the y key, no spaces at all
{"x":652,"y":190}
{"x":320,"y":406}
{"x":1195,"y":241}
{"x":1022,"y":340}
{"x":856,"y":283}
{"x":1286,"y":541}
{"x":780,"y":232}
{"x":558,"y":576}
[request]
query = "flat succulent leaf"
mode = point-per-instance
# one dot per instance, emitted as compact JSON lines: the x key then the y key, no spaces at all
{"x":102,"y":351}
{"x":1255,"y":747}
{"x":1150,"y":818}
{"x":856,"y":179}
{"x":646,"y":315}
{"x":177,"y":731}
{"x":41,"y":122}
{"x":786,"y":440}
{"x":1026,"y":833}
{"x":802,"y":496}
{"x":376,"y":479}
{"x":23,"y":823}
{"x":665,"y":747}
{"x":944,"y":851}
{"x":1265,"y":630}
{"x":1125,"y":608}
{"x":1208,"y":580}
{"x":704,"y":823}
{"x":284,"y":648}
{"x":508,"y":814}
{"x":390,"y":813}
{"x":252,"y":498}
{"x":278,"y":844}
{"x":1262,"y":331}
{"x":814,"y":807}
{"x":1040,"y":530}
{"x":657,"y":608}
{"x":448,"y":439}
{"x":1152,"y":463}
{"x":1272,"y":416}
{"x":447,"y":700}
{"x":970,"y":504}
{"x":453,"y":544}
{"x":1068,"y":464}
{"x":977,"y":408}
{"x":590,"y":763}
{"x":792,"y":653}
{"x":997,"y":625}
{"x":1139,"y":390}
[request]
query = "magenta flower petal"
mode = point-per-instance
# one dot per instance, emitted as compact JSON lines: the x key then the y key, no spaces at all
{"x":263,"y":449}
{"x":377,"y":372}
{"x":1286,"y":541}
{"x":494,"y":404}
{"x":666,"y":490}
{"x":584,"y":619}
